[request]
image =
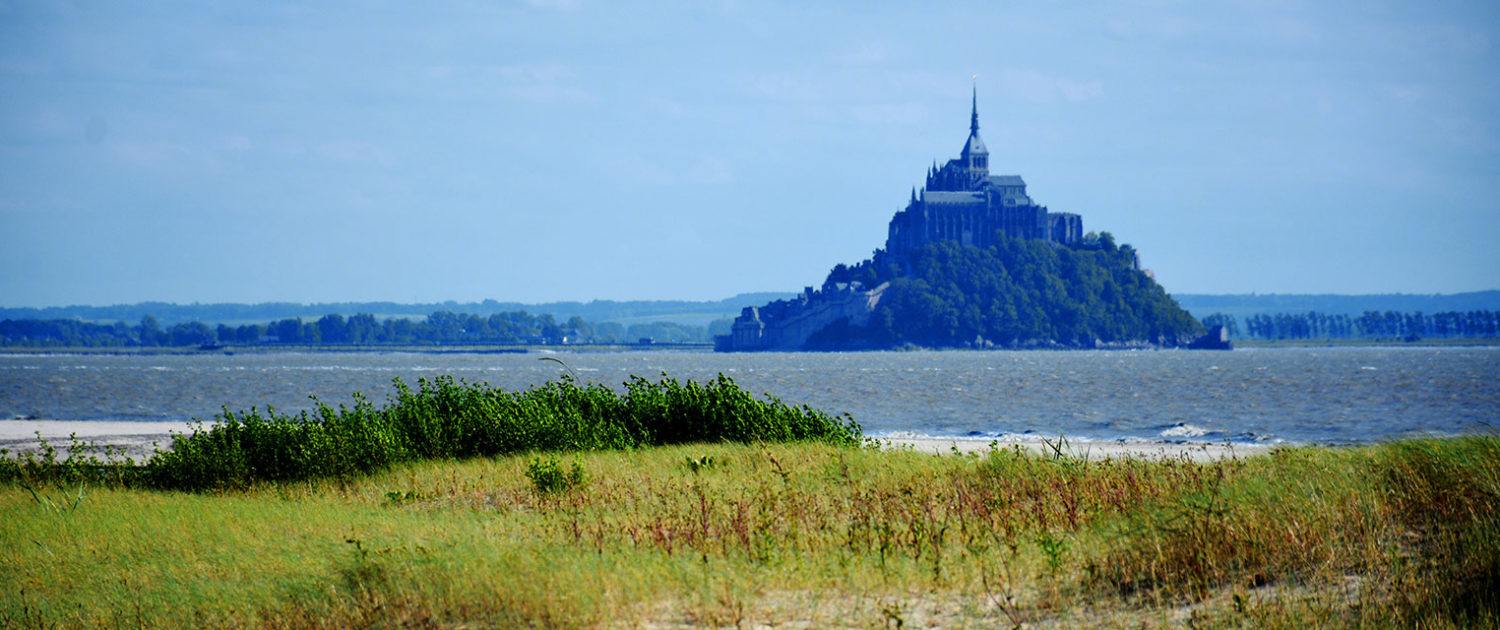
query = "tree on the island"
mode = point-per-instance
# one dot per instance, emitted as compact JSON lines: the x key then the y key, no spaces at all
{"x":288,"y":330}
{"x":362,"y":329}
{"x":150,"y":332}
{"x":332,"y":329}
{"x":191,"y":334}
{"x":579,"y":330}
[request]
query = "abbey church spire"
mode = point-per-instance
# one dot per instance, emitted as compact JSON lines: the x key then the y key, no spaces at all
{"x":975,"y":157}
{"x":974,"y":115}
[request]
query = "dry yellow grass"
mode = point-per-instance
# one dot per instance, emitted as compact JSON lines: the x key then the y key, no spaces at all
{"x":801,"y":535}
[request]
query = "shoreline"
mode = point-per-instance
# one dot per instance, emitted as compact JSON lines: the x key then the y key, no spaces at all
{"x":138,"y":440}
{"x":1087,"y":449}
{"x":231,"y":349}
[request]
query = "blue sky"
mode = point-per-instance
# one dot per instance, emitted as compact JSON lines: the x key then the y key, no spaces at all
{"x":578,"y":150}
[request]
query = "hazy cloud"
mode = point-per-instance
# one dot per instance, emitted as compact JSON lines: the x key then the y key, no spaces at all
{"x":95,"y":129}
{"x":535,"y":73}
{"x":1296,"y":32}
{"x":163,"y":156}
{"x":634,"y":170}
{"x":638,"y":171}
{"x":559,"y":5}
{"x":355,"y":152}
{"x":547,"y":84}
{"x":1154,"y":27}
{"x":1407,"y":93}
{"x":791,"y":88}
{"x":550,"y":94}
{"x":711,"y":170}
{"x":891,"y":114}
{"x":1041,"y":88}
{"x":867,"y":54}
{"x":24,"y":67}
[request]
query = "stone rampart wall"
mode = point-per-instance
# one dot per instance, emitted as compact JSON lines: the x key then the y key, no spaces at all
{"x":792,"y":331}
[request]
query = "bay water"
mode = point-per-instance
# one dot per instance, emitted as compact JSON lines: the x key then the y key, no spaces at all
{"x":1291,"y":395}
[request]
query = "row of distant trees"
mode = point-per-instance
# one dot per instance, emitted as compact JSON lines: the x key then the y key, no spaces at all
{"x":1367,"y":325}
{"x":522,"y":328}
{"x":439,"y":328}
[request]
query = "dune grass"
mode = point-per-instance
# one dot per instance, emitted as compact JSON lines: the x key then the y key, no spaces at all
{"x":808,"y":534}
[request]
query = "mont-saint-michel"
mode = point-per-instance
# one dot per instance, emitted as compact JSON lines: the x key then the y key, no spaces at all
{"x":973,"y":260}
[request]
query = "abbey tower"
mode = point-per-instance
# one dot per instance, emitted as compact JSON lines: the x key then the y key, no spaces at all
{"x":962,"y":202}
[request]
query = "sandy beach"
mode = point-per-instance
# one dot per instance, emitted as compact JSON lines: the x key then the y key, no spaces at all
{"x":1094,"y":450}
{"x":139,"y":439}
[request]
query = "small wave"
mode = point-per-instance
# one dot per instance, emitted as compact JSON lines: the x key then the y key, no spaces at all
{"x":904,"y":435}
{"x":1183,"y":430}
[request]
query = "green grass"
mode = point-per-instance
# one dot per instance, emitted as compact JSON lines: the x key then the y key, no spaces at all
{"x":1396,"y":535}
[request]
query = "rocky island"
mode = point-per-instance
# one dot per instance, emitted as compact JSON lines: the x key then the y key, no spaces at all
{"x":973,"y":261}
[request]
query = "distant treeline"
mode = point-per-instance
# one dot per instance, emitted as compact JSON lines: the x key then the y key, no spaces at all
{"x":1243,"y":306}
{"x":1367,"y":325}
{"x":439,"y":328}
{"x":522,"y":328}
{"x":640,"y":311}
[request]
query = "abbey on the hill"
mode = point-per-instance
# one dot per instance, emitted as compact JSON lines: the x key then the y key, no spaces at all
{"x":960,"y":202}
{"x":963,"y":202}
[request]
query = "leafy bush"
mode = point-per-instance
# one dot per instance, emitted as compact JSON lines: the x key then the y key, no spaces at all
{"x":548,"y":476}
{"x":444,"y":418}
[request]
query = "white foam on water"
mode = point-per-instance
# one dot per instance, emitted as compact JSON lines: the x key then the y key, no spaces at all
{"x":1183,"y":430}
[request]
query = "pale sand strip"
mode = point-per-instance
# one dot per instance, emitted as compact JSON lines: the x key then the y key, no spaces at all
{"x":136,"y":438}
{"x":1093,"y":450}
{"x":19,"y":436}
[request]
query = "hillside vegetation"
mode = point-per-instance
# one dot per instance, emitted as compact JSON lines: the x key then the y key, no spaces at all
{"x":1018,"y":293}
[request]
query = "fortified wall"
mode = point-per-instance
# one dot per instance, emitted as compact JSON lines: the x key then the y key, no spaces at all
{"x":787,"y":324}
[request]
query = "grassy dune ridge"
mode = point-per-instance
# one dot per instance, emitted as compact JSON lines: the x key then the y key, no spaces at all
{"x":807,"y":533}
{"x":717,"y":534}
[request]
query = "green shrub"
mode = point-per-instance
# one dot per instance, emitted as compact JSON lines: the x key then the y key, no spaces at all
{"x":444,"y":418}
{"x":548,"y":476}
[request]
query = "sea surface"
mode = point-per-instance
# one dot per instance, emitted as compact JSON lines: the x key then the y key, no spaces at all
{"x":1293,"y":395}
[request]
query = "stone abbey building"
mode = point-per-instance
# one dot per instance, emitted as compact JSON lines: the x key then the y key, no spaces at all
{"x":960,"y":202}
{"x":963,"y":202}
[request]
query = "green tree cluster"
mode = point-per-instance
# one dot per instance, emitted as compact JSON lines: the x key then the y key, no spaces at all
{"x":1017,"y":293}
